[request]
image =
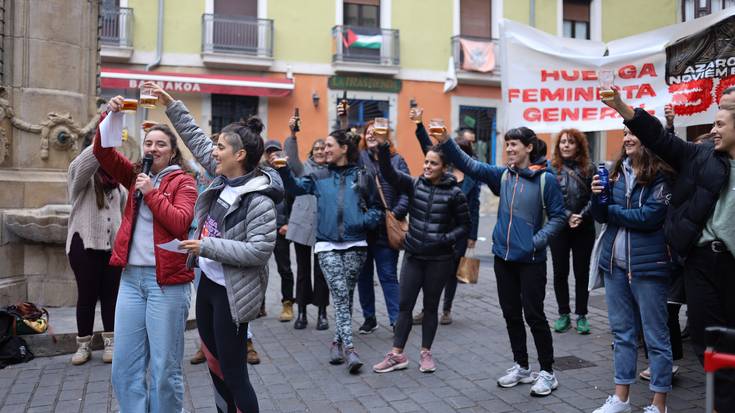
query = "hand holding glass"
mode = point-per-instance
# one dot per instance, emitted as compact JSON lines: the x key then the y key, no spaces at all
{"x":606,"y":77}
{"x":381,"y":126}
{"x":147,"y":98}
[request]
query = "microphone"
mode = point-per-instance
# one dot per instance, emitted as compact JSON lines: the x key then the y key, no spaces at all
{"x":147,"y":164}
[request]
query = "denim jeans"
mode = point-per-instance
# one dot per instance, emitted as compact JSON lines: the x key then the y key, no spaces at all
{"x":644,"y":297}
{"x":149,"y":321}
{"x":386,"y":262}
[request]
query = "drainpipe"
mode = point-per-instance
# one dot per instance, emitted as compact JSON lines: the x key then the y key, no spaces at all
{"x":532,"y":14}
{"x":159,"y":47}
{"x":159,"y":39}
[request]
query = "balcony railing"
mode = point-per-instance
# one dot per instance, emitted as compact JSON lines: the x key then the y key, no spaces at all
{"x":375,"y":46}
{"x":117,"y":27}
{"x":237,"y":35}
{"x":476,"y":65}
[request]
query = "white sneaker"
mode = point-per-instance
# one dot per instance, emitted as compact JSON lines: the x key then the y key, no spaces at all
{"x":83,"y":353}
{"x":545,"y":383}
{"x":654,"y":409}
{"x":515,"y":375}
{"x":109,"y":340}
{"x":614,"y":405}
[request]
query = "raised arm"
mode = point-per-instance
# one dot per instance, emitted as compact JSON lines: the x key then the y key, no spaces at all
{"x":401,"y":208}
{"x":192,"y":135}
{"x":423,"y":136}
{"x":401,"y":181}
{"x":259,"y":242}
{"x":291,"y":148}
{"x":81,"y":170}
{"x":296,"y":186}
{"x":554,"y":201}
{"x":481,"y":171}
{"x":112,"y":161}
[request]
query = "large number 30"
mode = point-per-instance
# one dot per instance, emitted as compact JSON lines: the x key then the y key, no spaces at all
{"x":696,"y":96}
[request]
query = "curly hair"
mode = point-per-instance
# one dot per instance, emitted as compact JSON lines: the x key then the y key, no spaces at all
{"x":363,"y":138}
{"x":583,"y":150}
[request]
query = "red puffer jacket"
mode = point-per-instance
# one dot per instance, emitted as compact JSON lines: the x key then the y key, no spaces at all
{"x":172,"y":205}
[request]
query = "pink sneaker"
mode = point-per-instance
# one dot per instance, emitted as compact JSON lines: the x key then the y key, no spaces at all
{"x":426,"y":363}
{"x":391,"y":362}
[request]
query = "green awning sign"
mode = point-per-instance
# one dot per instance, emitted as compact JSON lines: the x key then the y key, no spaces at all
{"x":372,"y":84}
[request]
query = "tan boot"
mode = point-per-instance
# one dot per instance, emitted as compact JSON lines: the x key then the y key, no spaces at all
{"x":198,"y":358}
{"x":109,"y":340}
{"x":83,"y":353}
{"x":287,"y":312}
{"x":252,"y":356}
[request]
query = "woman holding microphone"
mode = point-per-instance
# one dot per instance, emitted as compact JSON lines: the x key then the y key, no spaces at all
{"x":155,"y":290}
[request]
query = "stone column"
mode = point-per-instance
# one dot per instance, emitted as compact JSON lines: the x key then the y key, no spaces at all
{"x":49,"y":69}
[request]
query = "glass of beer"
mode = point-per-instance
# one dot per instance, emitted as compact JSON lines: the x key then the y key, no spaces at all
{"x":381,"y":126}
{"x":280,"y":160}
{"x":130,"y":105}
{"x":147,"y":98}
{"x":147,"y":124}
{"x":606,"y":77}
{"x":436,"y":126}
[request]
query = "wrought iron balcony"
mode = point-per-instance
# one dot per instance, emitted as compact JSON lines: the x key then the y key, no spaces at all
{"x":117,"y":27}
{"x":237,"y":41}
{"x":474,"y":69}
{"x":365,"y":49}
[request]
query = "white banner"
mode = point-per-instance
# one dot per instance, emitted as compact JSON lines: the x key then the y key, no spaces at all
{"x":550,"y":83}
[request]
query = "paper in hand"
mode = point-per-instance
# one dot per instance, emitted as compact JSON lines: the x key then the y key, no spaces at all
{"x":172,"y":246}
{"x":111,"y":130}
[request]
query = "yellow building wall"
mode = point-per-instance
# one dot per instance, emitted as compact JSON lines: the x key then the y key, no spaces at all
{"x":145,"y":15}
{"x":425,"y":32}
{"x":182,"y":25}
{"x":618,"y":21}
{"x":303,"y":29}
{"x":520,"y":11}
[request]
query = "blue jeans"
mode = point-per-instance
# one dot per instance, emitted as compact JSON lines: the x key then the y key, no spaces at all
{"x":386,"y":262}
{"x":644,"y":299}
{"x":149,"y":321}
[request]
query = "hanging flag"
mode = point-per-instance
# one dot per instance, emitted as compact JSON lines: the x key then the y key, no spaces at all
{"x":350,"y":39}
{"x":478,"y":56}
{"x":450,"y":82}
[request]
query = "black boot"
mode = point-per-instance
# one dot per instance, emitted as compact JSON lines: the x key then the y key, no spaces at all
{"x":321,"y":320}
{"x":301,"y":320}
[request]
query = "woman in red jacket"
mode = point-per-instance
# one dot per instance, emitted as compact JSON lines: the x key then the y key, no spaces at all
{"x":155,"y":293}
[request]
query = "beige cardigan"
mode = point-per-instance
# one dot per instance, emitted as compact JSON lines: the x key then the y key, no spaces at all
{"x":97,"y":227}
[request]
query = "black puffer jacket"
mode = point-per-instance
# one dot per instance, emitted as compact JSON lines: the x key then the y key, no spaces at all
{"x":576,"y":183}
{"x":439,"y":215}
{"x":702,"y":174}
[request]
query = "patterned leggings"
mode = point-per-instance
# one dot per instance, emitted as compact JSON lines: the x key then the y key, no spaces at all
{"x":341,"y":269}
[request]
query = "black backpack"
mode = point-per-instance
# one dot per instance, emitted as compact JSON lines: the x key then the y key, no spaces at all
{"x":13,"y":349}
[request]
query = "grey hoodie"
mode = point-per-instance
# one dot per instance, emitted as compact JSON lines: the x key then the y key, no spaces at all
{"x":141,"y":247}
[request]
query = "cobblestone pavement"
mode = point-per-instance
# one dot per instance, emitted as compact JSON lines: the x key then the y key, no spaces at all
{"x":294,"y":375}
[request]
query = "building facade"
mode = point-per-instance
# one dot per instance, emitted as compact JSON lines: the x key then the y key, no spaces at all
{"x":228,"y":59}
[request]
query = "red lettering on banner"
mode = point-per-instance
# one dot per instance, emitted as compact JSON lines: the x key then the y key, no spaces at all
{"x":685,"y":95}
{"x":532,"y":115}
{"x":569,"y":114}
{"x":530,"y":95}
{"x":547,"y":94}
{"x":589,"y":75}
{"x":725,"y":83}
{"x":551,"y":115}
{"x":608,"y":113}
{"x":566,"y":75}
{"x":627,"y":72}
{"x":648,"y":70}
{"x":645,"y":90}
{"x":589,"y":113}
{"x":513,"y":93}
{"x":554,"y":74}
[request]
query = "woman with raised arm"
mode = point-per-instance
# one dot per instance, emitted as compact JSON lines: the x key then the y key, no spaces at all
{"x":302,"y":231}
{"x":439,"y":219}
{"x":636,"y":264}
{"x":155,"y":286}
{"x":347,"y":210}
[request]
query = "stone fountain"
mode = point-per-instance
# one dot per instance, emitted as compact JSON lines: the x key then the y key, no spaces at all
{"x":49,"y":90}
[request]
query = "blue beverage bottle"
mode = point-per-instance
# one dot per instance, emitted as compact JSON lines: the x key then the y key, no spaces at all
{"x":604,"y":180}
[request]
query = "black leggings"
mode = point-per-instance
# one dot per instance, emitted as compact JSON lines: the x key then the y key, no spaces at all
{"x":223,"y":343}
{"x":417,"y":275}
{"x":319,"y":295}
{"x":579,"y":241}
{"x":96,"y":279}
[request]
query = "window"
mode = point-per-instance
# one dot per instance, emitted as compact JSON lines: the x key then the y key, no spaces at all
{"x":363,"y":111}
{"x":577,"y":19}
{"x":236,"y":8}
{"x":362,"y":13}
{"x":475,"y":18}
{"x":231,"y":108}
{"x":692,"y":9}
{"x":482,"y":120}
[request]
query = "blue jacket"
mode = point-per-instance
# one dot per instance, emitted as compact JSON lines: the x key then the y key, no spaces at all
{"x":346,"y":201}
{"x":521,"y":233}
{"x":642,"y":216}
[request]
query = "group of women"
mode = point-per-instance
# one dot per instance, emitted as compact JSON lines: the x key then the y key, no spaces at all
{"x":341,"y":215}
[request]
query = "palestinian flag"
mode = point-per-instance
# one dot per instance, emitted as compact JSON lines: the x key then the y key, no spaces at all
{"x":350,"y":39}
